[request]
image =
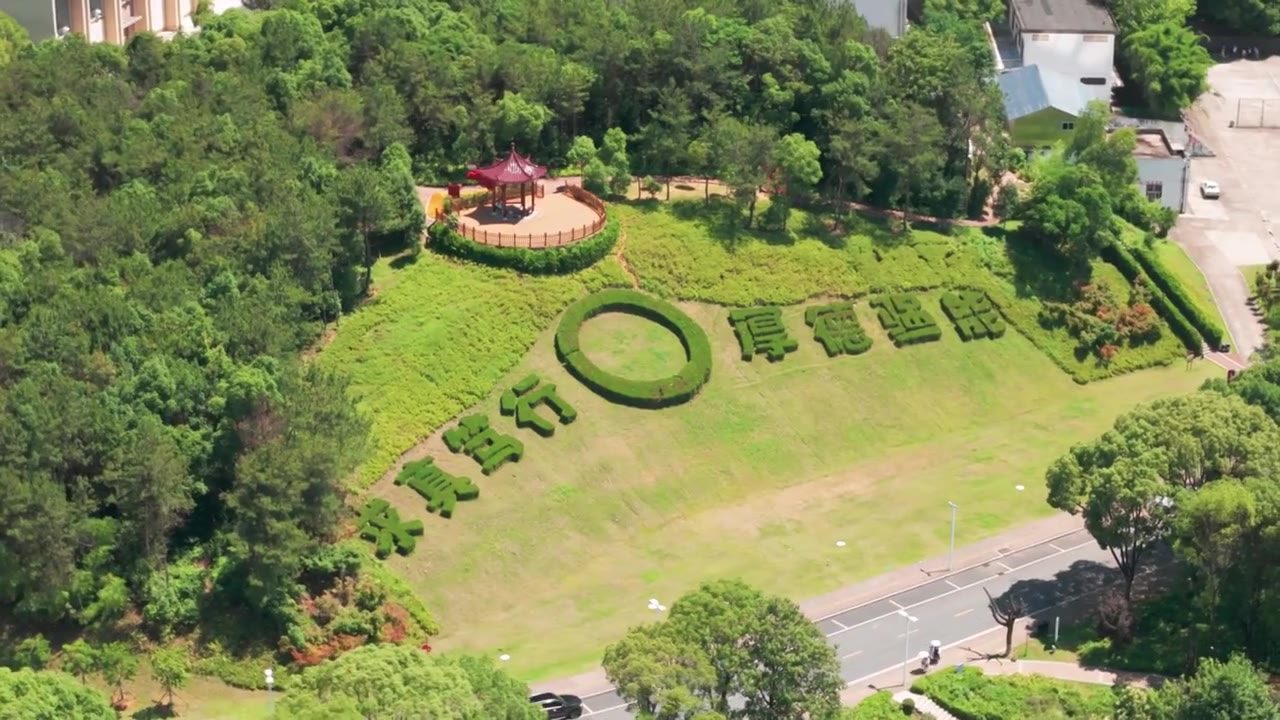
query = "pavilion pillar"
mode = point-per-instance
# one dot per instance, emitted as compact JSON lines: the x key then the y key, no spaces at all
{"x":172,"y":16}
{"x":112,"y":23}
{"x":79,"y":17}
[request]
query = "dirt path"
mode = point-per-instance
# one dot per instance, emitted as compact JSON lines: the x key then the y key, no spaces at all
{"x":621,"y":254}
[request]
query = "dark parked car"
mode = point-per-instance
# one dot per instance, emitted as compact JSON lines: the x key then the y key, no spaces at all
{"x":558,"y":707}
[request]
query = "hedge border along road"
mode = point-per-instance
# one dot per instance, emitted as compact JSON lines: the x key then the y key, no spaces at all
{"x":1160,"y":275}
{"x":446,"y":240}
{"x":1120,"y":256}
{"x":650,"y":394}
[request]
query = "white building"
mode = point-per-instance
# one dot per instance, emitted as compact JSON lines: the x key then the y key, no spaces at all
{"x":110,"y":21}
{"x":1076,"y":38}
{"x":887,"y":15}
{"x":1164,"y":170}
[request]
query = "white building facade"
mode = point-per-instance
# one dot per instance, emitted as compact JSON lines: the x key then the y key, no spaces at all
{"x":1076,"y":38}
{"x":109,"y":21}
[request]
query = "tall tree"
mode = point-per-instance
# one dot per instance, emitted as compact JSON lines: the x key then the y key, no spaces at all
{"x":118,"y":664}
{"x":288,"y":493}
{"x":1127,"y":482}
{"x":728,"y":639}
{"x":79,"y":658}
{"x":743,"y":154}
{"x":169,"y":667}
{"x":1170,"y":65}
{"x":913,"y":152}
{"x":797,"y":171}
{"x":365,"y":209}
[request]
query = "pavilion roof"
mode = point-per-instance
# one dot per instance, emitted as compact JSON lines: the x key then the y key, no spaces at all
{"x":512,"y":169}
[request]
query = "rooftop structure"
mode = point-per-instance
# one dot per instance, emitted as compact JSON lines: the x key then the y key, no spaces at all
{"x":1152,"y":143}
{"x":1061,"y":16}
{"x":1030,"y":89}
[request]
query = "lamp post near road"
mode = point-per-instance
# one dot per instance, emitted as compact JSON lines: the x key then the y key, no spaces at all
{"x":952,"y":552}
{"x":906,"y":644}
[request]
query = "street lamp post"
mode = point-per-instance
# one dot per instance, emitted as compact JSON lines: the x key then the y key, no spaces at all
{"x":906,"y":644}
{"x":952,"y":552}
{"x":269,"y":676}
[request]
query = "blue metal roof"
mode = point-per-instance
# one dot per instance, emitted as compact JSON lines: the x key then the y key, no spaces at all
{"x":1028,"y":90}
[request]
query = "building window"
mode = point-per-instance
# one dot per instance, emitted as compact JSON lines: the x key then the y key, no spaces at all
{"x":1093,"y":81}
{"x":1096,"y":38}
{"x":1068,"y":126}
{"x":1155,"y":190}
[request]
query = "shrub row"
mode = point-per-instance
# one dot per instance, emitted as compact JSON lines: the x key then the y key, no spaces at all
{"x":906,"y":321}
{"x":760,"y":332}
{"x":678,"y":388}
{"x":973,"y":314}
{"x":1210,"y":330}
{"x":836,"y":326}
{"x":1120,"y":256}
{"x":971,"y":695}
{"x":446,"y":240}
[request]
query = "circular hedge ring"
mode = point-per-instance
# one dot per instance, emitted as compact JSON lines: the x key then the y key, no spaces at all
{"x":673,"y":390}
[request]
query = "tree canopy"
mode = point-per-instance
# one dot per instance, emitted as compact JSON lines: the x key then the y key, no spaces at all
{"x":27,"y":693}
{"x":401,"y":681}
{"x":722,"y":641}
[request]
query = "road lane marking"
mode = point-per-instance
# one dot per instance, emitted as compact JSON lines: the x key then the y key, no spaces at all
{"x":855,"y":652}
{"x":995,"y":627}
{"x":952,"y":584}
{"x":1055,"y":547}
{"x":964,"y":612}
{"x":1089,"y":543}
{"x":904,"y":607}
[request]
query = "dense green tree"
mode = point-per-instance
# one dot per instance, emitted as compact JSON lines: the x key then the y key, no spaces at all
{"x":1169,"y":64}
{"x":582,"y":152}
{"x":118,"y":664}
{"x":912,"y":147}
{"x":170,"y":669}
{"x":1245,"y":16}
{"x":1134,"y":15}
{"x":392,"y":681}
{"x":29,"y":694}
{"x":33,"y":652}
{"x":13,"y":39}
{"x":1069,"y":208}
{"x":1230,"y":690}
{"x":1128,"y":482}
{"x":743,"y":155}
{"x":79,"y":658}
{"x":797,"y":171}
{"x":722,"y":640}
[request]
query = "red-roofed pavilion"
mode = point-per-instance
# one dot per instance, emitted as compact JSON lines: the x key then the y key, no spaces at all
{"x":513,"y":170}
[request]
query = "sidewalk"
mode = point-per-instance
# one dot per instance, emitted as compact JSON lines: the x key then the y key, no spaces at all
{"x":875,"y":588}
{"x":979,"y":652}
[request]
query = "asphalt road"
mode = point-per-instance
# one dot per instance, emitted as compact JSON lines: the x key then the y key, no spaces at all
{"x":870,"y":639}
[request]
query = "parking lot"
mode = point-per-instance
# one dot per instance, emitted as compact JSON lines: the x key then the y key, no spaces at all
{"x":1238,"y":229}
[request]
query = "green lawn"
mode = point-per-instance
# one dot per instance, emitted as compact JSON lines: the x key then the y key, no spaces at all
{"x":756,"y":478}
{"x":761,"y":474}
{"x":1180,"y":264}
{"x":201,"y":699}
